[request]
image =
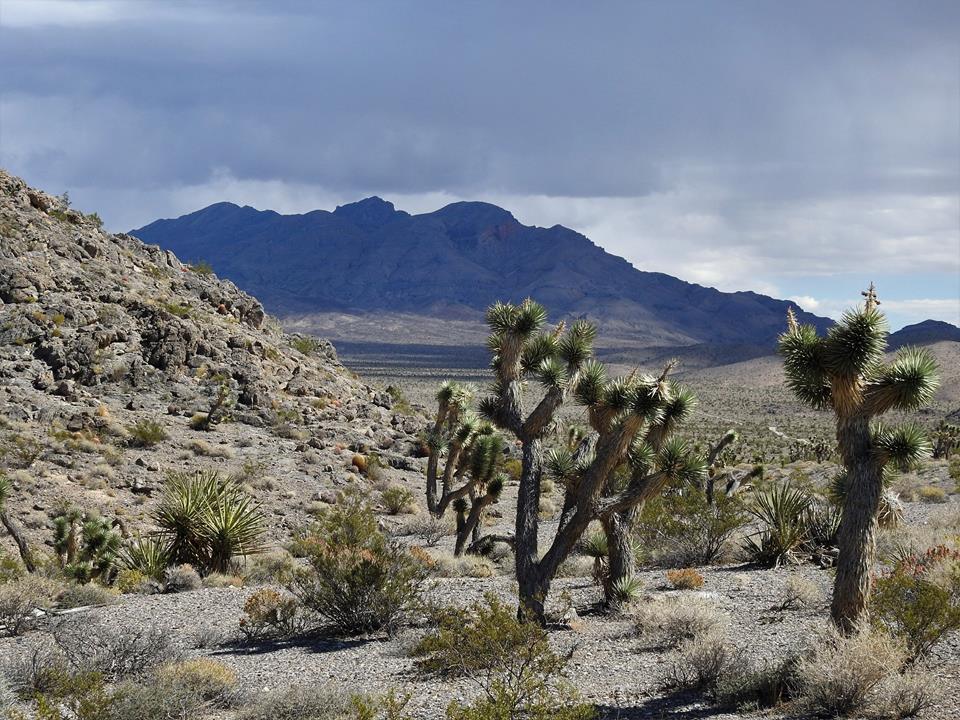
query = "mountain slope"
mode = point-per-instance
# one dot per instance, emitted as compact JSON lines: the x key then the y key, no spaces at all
{"x":103,"y":338}
{"x":924,"y":333}
{"x":368,"y":256}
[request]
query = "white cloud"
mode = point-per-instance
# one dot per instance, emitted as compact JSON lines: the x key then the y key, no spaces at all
{"x":806,"y":302}
{"x":33,"y":13}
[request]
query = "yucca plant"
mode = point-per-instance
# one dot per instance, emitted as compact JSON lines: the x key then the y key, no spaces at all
{"x":596,"y":545}
{"x":86,"y":545}
{"x":208,"y":520}
{"x":782,"y":512}
{"x":149,"y":554}
{"x":845,"y":372}
{"x":625,"y":590}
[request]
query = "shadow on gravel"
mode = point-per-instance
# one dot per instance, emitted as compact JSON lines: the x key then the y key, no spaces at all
{"x":315,"y":644}
{"x":682,"y":706}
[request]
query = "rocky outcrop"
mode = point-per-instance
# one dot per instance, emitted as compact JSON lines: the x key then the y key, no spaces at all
{"x":100,"y":332}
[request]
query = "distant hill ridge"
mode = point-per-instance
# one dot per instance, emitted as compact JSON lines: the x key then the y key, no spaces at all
{"x":368,"y":256}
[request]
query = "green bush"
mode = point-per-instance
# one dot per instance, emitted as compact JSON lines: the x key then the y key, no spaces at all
{"x":397,"y":499}
{"x":682,"y":529}
{"x":520,"y":676}
{"x":919,"y":601}
{"x":306,"y":344}
{"x":357,"y":580}
{"x":147,"y":433}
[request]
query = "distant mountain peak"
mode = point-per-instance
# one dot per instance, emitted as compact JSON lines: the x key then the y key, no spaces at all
{"x":369,"y":256}
{"x":369,"y":213}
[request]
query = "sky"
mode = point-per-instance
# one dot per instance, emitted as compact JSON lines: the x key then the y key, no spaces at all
{"x":801,"y":150}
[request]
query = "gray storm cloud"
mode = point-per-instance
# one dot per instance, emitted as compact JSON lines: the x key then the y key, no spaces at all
{"x":764,"y":128}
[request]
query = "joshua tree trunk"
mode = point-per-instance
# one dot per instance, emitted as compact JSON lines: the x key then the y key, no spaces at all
{"x":856,"y":536}
{"x":621,"y":562}
{"x":20,"y":541}
{"x":532,"y":592}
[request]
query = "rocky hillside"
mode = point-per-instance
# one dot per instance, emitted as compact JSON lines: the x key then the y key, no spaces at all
{"x":111,"y":354}
{"x":452,"y":263}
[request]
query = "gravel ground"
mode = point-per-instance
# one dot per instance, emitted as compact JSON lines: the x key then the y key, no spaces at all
{"x":611,"y":666}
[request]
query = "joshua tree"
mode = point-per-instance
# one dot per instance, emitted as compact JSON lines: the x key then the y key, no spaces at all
{"x":625,"y":409}
{"x":845,"y":372}
{"x":13,"y":529}
{"x":86,"y":544}
{"x":469,"y":481}
{"x":637,"y":472}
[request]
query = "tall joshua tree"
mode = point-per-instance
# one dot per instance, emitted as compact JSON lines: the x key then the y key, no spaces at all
{"x":624,"y":409}
{"x":845,"y":371}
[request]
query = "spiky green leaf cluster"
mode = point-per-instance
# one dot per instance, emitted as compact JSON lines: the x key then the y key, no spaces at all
{"x":805,"y":367}
{"x":902,"y":446}
{"x":208,"y":520}
{"x":856,"y":343}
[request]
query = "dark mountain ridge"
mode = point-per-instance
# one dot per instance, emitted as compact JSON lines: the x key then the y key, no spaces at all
{"x":368,"y":256}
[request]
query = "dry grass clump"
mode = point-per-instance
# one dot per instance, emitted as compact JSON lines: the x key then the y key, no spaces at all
{"x":447,"y":565}
{"x":842,"y":676}
{"x":800,"y":592}
{"x":675,"y":620}
{"x":210,"y":679}
{"x":700,"y":662}
{"x":430,"y":529}
{"x":19,"y":599}
{"x":685,"y":579}
{"x":181,"y":579}
{"x":932,"y":494}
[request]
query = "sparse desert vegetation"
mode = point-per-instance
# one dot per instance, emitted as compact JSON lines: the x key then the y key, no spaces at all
{"x":213,"y":519}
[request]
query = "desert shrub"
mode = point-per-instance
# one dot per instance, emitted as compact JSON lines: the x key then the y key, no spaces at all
{"x":298,"y":703}
{"x":306,"y":344}
{"x":682,"y":529}
{"x":685,"y":579}
{"x":700,"y":662}
{"x":112,"y":650}
{"x":758,"y":686}
{"x":147,"y":433}
{"x":919,"y":600}
{"x":131,"y":581}
{"x":275,"y":566}
{"x":10,"y":567}
{"x":37,"y":669}
{"x":209,"y":679}
{"x":19,"y":451}
{"x":911,"y":693}
{"x":75,"y":596}
{"x":181,"y":579}
{"x":430,"y":529}
{"x":208,"y":521}
{"x":842,"y":675}
{"x":357,"y":579}
{"x":201,"y":267}
{"x":397,"y":499}
{"x":675,"y":620}
{"x":782,"y":512}
{"x":222,"y":580}
{"x":19,"y":599}
{"x":799,"y":592}
{"x":153,"y":699}
{"x":272,"y":614}
{"x":511,"y":662}
{"x":932,"y":494}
